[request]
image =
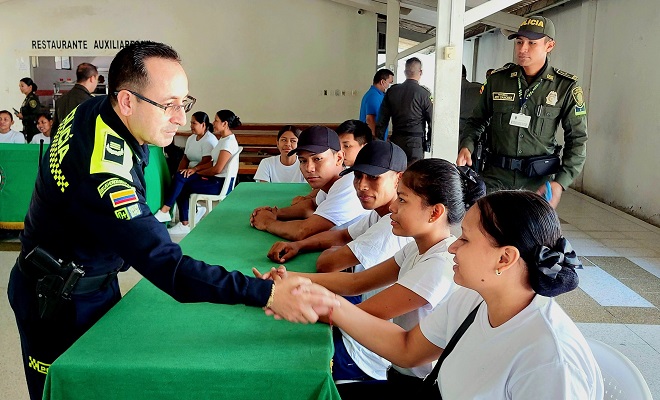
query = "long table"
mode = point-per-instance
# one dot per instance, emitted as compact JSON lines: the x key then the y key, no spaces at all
{"x":151,"y":347}
{"x":18,"y":170}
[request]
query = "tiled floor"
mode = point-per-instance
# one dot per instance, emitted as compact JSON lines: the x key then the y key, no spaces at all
{"x":617,"y":302}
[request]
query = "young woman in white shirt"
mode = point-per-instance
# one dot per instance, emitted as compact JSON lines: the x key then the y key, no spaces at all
{"x":283,"y":168}
{"x":44,"y":125}
{"x":432,"y":196}
{"x":510,"y":261}
{"x":204,"y":177}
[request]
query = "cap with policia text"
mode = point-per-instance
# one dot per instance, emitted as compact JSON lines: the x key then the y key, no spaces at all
{"x":378,"y":157}
{"x":317,"y":139}
{"x":535,"y":28}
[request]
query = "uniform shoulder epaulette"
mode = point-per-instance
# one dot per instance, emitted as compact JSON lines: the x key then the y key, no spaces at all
{"x":565,"y":74}
{"x":506,"y":67}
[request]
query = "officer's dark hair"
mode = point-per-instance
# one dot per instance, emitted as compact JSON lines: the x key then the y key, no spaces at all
{"x":127,"y":69}
{"x":228,"y":116}
{"x":524,"y":219}
{"x":288,"y":128}
{"x":85,"y":71}
{"x":30,"y":82}
{"x":412,"y":64}
{"x":45,"y":115}
{"x":11,"y":117}
{"x":382,"y":74}
{"x":438,"y":181}
{"x":360,"y":130}
{"x":203,"y":118}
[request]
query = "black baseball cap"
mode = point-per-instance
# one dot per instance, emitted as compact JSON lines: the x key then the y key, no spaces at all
{"x":378,"y":157}
{"x":535,"y":28}
{"x":317,"y":139}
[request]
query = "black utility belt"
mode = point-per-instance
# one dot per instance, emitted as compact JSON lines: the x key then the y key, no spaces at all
{"x":39,"y":264}
{"x":534,"y":166}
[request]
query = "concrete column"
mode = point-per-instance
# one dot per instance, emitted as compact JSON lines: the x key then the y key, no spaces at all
{"x":392,"y":35}
{"x":447,"y":93}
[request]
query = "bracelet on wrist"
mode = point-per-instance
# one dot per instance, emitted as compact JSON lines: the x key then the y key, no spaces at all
{"x":269,"y":303}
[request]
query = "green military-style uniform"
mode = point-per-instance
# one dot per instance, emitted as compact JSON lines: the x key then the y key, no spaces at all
{"x":553,"y":97}
{"x":30,"y":109}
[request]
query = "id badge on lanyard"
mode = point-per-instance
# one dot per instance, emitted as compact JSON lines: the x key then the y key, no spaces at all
{"x":519,"y":119}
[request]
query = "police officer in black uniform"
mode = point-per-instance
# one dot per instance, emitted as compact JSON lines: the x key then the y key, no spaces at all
{"x":409,"y":105}
{"x":30,"y":109}
{"x":91,"y":185}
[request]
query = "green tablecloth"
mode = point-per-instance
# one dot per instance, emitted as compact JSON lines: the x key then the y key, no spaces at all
{"x":18,"y":170}
{"x":151,"y":347}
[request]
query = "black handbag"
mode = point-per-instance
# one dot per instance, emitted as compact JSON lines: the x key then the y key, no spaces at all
{"x":429,"y":388}
{"x":542,"y":165}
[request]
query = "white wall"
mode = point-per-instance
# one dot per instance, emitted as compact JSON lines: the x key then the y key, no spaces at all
{"x":268,"y":61}
{"x":622,"y":95}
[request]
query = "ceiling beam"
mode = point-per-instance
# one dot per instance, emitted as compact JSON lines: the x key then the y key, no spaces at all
{"x":484,"y":10}
{"x":502,"y":20}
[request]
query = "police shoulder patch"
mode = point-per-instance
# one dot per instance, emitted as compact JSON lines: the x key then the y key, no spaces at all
{"x":129,"y":212}
{"x":565,"y":74}
{"x":111,"y":154}
{"x":33,"y":104}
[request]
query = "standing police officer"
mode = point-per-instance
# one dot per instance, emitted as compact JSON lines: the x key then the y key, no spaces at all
{"x":410,"y":107}
{"x":88,"y":219}
{"x":525,"y":102}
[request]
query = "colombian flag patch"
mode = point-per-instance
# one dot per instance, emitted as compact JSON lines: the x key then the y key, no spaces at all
{"x":123,"y":197}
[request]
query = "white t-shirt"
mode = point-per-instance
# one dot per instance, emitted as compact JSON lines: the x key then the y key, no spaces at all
{"x":197,"y":149}
{"x":229,"y":144}
{"x":431,"y":276}
{"x":36,"y":138}
{"x":271,"y":169}
{"x":13,"y":137}
{"x":373,"y":242}
{"x":340,"y":205}
{"x":538,"y":354}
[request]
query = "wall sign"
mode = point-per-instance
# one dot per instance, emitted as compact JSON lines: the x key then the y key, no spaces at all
{"x":103,"y":44}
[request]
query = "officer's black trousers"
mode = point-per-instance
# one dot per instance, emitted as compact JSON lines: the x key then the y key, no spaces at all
{"x":43,"y":341}
{"x":411,"y":145}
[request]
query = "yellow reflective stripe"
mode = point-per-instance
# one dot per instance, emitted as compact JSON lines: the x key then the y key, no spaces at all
{"x":99,"y":164}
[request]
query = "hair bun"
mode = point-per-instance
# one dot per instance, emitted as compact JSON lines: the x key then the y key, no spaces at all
{"x":474,"y":187}
{"x":554,"y":269}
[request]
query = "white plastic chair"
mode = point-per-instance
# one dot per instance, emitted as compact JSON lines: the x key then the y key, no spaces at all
{"x":621,"y":378}
{"x":230,"y":176}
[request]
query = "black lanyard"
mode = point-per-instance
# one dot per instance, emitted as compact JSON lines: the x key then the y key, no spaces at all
{"x":529,"y":93}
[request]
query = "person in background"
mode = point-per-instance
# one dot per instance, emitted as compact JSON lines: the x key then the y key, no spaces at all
{"x":370,"y":105}
{"x":470,"y":92}
{"x":431,"y":198}
{"x":510,"y":261}
{"x":335,"y":206}
{"x":198,"y":150}
{"x":525,"y":103}
{"x":8,"y":135}
{"x":86,"y":81}
{"x":353,"y":136}
{"x":409,"y":106}
{"x":92,"y":185}
{"x":45,"y":126}
{"x":30,"y":108}
{"x":489,"y":72}
{"x":207,"y":177}
{"x":284,"y":168}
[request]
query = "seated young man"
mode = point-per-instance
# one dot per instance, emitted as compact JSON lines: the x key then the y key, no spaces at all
{"x":353,"y":136}
{"x":7,"y":135}
{"x":335,"y":206}
{"x":370,"y":240}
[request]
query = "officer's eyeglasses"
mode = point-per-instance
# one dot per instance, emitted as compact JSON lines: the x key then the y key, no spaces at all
{"x":170,"y":109}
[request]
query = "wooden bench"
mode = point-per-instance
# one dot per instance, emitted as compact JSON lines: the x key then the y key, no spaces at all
{"x":259,"y":141}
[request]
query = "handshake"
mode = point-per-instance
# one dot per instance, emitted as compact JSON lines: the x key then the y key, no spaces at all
{"x":295,"y":298}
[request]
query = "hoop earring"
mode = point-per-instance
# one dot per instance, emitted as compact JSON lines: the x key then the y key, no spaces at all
{"x":498,"y":272}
